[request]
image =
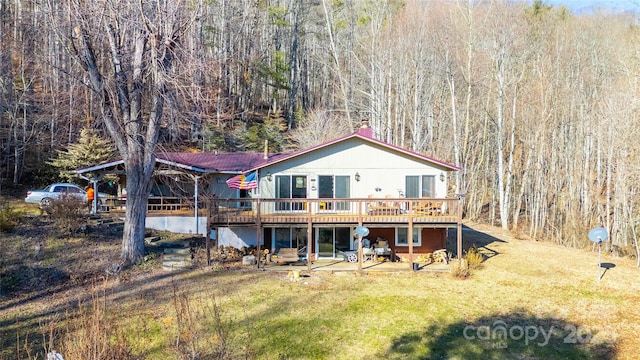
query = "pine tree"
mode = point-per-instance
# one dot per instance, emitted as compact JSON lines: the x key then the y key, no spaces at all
{"x":90,"y":149}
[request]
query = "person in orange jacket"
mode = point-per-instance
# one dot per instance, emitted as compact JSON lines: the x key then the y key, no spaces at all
{"x":90,"y":197}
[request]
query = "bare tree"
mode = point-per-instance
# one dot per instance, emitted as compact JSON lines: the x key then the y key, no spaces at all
{"x":129,"y":51}
{"x":319,"y":126}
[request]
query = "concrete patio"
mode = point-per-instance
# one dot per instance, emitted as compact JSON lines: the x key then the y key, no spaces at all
{"x":367,"y":266}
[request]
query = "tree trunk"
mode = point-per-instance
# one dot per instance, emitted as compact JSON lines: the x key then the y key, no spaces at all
{"x":134,"y":228}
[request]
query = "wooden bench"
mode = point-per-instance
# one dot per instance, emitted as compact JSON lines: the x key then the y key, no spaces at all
{"x":285,"y":255}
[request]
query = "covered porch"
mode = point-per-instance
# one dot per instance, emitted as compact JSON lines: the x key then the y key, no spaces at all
{"x":312,"y":221}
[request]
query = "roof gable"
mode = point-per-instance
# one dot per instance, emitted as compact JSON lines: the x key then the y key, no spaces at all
{"x":362,"y":135}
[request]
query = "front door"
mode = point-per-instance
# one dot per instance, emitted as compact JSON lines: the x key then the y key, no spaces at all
{"x":333,"y":242}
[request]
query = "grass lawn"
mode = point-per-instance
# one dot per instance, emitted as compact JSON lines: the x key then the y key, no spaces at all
{"x":531,"y":300}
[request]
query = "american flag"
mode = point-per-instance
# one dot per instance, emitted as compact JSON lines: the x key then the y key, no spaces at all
{"x":243,"y":182}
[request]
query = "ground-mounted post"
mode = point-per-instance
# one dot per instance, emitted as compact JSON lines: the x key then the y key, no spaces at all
{"x":258,"y":233}
{"x":598,"y":235}
{"x":361,"y":231}
{"x":309,"y":234}
{"x":207,"y":238}
{"x":410,"y":241}
{"x":459,"y":226}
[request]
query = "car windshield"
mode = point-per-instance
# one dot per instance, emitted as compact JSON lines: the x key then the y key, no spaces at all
{"x":48,"y":188}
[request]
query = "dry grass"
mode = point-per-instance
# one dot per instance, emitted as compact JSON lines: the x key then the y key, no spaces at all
{"x":233,"y":312}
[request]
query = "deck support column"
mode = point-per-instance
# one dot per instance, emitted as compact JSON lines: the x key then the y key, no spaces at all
{"x":207,"y":237}
{"x":359,"y":238}
{"x":410,"y":236}
{"x":459,"y":226}
{"x":309,"y":238}
{"x":258,"y":234}
{"x":196,"y":181}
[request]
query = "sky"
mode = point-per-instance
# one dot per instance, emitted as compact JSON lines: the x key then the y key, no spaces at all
{"x":586,"y":6}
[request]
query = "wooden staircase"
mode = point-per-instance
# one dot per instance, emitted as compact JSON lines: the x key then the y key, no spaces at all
{"x":177,"y":258}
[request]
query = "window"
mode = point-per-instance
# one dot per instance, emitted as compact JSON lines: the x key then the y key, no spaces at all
{"x":402,"y":234}
{"x":417,"y":186}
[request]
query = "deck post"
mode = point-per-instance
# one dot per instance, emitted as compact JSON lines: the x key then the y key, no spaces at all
{"x":258,"y":233}
{"x":195,"y":200}
{"x":410,"y":237}
{"x":207,"y":237}
{"x":359,"y":237}
{"x":459,"y":226}
{"x":309,"y":236}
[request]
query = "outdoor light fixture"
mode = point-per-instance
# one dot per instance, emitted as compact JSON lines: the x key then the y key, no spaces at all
{"x":357,"y":177}
{"x":442,"y":177}
{"x":269,"y":176}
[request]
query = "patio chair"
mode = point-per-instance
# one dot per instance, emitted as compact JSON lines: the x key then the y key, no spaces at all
{"x":368,"y":253}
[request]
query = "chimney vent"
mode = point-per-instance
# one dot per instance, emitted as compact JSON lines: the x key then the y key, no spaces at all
{"x":365,"y":130}
{"x":266,"y":149}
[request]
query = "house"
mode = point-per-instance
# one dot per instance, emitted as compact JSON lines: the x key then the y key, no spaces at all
{"x":315,"y":198}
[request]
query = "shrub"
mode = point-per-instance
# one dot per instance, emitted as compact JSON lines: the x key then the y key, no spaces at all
{"x":474,"y":258}
{"x":460,"y":269}
{"x":67,"y":212}
{"x":90,"y":333}
{"x":8,"y":218}
{"x":195,"y":319}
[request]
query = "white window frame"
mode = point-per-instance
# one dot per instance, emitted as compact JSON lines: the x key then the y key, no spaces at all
{"x":423,"y":185}
{"x":416,"y":231}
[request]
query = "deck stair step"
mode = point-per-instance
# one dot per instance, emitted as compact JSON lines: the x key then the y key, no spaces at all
{"x":176,"y":255}
{"x":115,"y":224}
{"x":105,"y":221}
{"x":149,"y":239}
{"x":177,"y":251}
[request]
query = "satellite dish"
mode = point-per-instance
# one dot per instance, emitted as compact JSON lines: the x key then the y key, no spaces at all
{"x":362,"y":231}
{"x":598,"y":235}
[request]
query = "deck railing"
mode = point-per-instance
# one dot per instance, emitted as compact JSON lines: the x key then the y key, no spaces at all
{"x":333,"y":210}
{"x":155,"y":204}
{"x":253,"y":210}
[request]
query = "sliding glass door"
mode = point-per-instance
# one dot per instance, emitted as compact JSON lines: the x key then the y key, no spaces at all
{"x":333,"y":242}
{"x":334,"y":187}
{"x":291,"y":187}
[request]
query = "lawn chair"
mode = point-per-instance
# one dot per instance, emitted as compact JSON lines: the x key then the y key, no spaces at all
{"x":368,"y":253}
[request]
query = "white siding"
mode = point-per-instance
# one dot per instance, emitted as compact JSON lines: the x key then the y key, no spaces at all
{"x":237,"y":237}
{"x":177,"y":224}
{"x":377,"y":166}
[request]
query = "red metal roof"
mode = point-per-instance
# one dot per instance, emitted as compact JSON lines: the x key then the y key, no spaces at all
{"x":216,"y":162}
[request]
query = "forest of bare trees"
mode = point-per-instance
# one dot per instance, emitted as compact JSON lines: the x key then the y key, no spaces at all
{"x":537,"y":105}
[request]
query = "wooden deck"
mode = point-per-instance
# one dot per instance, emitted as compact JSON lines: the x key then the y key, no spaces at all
{"x":334,"y":211}
{"x":228,"y":212}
